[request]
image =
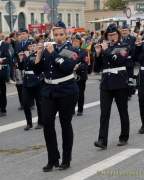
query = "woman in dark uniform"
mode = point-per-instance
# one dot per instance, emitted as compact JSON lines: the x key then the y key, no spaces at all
{"x":112,"y":58}
{"x":59,"y":94}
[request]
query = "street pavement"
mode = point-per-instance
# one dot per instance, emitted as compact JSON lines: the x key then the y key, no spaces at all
{"x":23,"y":154}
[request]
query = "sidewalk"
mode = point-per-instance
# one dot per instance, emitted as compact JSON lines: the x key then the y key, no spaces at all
{"x":11,"y":88}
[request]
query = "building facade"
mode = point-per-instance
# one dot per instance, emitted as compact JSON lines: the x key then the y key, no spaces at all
{"x":95,"y":10}
{"x":72,"y":12}
{"x":136,"y":7}
{"x":38,"y":12}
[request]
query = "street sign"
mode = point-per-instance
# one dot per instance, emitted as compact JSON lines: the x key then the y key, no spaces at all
{"x":53,"y":10}
{"x":8,"y":19}
{"x":10,"y":6}
{"x":128,"y":12}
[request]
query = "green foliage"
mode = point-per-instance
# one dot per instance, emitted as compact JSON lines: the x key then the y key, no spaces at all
{"x":116,"y":4}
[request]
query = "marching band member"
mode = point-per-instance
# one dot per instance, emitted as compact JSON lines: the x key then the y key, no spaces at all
{"x":59,"y":94}
{"x":139,"y":57}
{"x":31,"y":86}
{"x":81,"y":70}
{"x":129,"y":40}
{"x":4,"y":63}
{"x":112,"y":59}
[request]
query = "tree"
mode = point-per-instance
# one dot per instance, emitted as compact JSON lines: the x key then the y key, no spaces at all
{"x":116,"y":4}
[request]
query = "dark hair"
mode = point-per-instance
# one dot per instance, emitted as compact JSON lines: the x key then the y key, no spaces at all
{"x":39,"y":38}
{"x":102,"y":32}
{"x":12,"y":35}
{"x":92,"y":33}
{"x":7,"y":38}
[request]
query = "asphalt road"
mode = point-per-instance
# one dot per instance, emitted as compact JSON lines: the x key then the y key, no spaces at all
{"x":23,"y":154}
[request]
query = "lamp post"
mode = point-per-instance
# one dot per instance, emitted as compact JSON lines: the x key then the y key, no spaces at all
{"x":10,"y":9}
{"x":10,"y":16}
{"x":53,"y":10}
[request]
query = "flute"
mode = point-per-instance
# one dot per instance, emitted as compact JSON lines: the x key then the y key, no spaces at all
{"x":139,"y":42}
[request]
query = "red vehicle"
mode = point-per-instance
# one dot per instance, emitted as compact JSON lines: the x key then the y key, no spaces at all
{"x":75,"y":30}
{"x":38,"y":28}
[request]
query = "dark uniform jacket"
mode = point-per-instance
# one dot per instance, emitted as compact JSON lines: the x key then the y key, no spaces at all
{"x":82,"y":71}
{"x":55,"y":66}
{"x":139,"y":58}
{"x":22,"y":45}
{"x":130,"y":42}
{"x":113,"y":58}
{"x":30,"y":79}
{"x":4,"y":53}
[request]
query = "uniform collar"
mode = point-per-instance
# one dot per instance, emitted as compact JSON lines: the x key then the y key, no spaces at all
{"x":61,"y":46}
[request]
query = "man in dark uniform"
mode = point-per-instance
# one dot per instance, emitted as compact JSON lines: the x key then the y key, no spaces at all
{"x":21,"y":47}
{"x":139,"y":57}
{"x":81,"y":70}
{"x":59,"y":94}
{"x":112,"y":59}
{"x":31,"y":86}
{"x":129,"y":40}
{"x":25,"y":41}
{"x":4,"y":61}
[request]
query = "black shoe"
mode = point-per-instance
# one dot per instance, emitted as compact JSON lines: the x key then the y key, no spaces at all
{"x":2,"y":114}
{"x":122,"y":143}
{"x":64,"y":166}
{"x":129,"y":98}
{"x":74,"y":113}
{"x":49,"y":166}
{"x":33,"y":107}
{"x":80,"y":114}
{"x":20,"y":108}
{"x":28,"y":127}
{"x":141,"y":131}
{"x":100,"y":144}
{"x":38,"y":127}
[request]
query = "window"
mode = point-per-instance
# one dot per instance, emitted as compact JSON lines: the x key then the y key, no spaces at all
{"x":69,"y":19}
{"x":42,"y":18}
{"x":77,"y":20}
{"x":60,"y":16}
{"x":96,"y":4}
{"x":22,"y":3}
{"x":32,"y":18}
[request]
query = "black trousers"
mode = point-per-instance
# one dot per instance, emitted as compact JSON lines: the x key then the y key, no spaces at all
{"x":50,"y":107}
{"x":82,"y":86}
{"x":121,"y":99}
{"x":3,"y":98}
{"x":30,"y":94}
{"x":19,"y":90}
{"x":130,"y":71}
{"x":141,"y":103}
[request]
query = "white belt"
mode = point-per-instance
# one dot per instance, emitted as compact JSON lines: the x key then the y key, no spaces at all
{"x":29,"y":72}
{"x":114,"y":70}
{"x":2,"y":66}
{"x":142,"y":68}
{"x":60,"y":80}
{"x":1,"y":59}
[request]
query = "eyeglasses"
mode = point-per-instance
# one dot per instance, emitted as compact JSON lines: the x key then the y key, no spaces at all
{"x":61,"y":34}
